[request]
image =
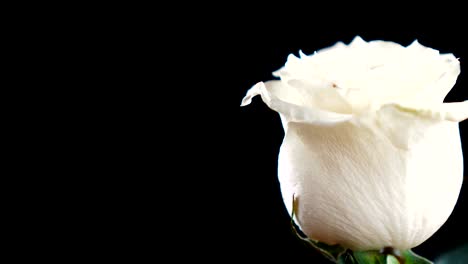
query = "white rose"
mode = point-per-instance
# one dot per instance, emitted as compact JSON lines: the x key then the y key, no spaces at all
{"x":371,"y":152}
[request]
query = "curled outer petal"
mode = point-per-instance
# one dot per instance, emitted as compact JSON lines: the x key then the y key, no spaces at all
{"x":288,"y":104}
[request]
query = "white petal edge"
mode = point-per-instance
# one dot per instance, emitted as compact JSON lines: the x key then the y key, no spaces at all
{"x":438,"y":90}
{"x":405,"y":126}
{"x":292,"y":112}
{"x":455,"y":112}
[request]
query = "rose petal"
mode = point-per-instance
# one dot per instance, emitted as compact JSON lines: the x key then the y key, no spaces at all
{"x":405,"y":126}
{"x":289,"y":105}
{"x":321,"y":95}
{"x":377,"y":72}
{"x":355,"y":188}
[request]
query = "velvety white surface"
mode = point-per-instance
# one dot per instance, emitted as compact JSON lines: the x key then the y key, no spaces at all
{"x":371,"y":152}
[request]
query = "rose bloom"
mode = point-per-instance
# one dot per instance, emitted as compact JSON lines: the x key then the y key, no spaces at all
{"x":371,"y":153}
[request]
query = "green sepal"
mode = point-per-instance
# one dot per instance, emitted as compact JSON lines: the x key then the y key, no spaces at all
{"x":346,"y":258}
{"x":377,"y":257}
{"x":372,"y":256}
{"x":412,"y":258}
{"x":392,"y":260}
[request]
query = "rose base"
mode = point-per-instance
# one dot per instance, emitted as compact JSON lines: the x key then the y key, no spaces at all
{"x":341,"y":255}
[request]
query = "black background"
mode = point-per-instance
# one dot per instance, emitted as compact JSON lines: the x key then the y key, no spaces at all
{"x":262,"y":215}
